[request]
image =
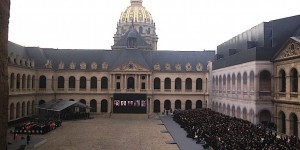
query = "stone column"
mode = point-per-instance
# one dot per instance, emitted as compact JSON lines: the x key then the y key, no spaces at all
{"x":136,"y":83}
{"x":66,"y":84}
{"x":28,"y":83}
{"x":77,"y":83}
{"x":21,"y":84}
{"x":54,"y":82}
{"x":298,"y":127}
{"x":150,"y":105}
{"x":88,"y":84}
{"x":125,"y":82}
{"x":112,"y":86}
{"x":287,"y":126}
{"x":150,"y":83}
{"x":99,"y":84}
{"x":122,"y":82}
{"x":193,"y":85}
{"x":4,"y":89}
{"x":15,"y":83}
{"x":110,"y":105}
{"x":98,"y":111}
{"x":183,"y":85}
{"x":298,"y":95}
{"x":204,"y":85}
{"x":288,"y":87}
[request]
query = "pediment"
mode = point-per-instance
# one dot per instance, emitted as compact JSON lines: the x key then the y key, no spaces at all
{"x":131,"y":66}
{"x":289,"y":50}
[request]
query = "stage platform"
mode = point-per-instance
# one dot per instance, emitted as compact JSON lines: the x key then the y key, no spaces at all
{"x":128,"y":116}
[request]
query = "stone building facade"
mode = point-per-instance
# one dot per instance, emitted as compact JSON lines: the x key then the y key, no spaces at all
{"x":248,"y":83}
{"x":133,"y":66}
{"x":253,"y":76}
{"x":286,"y":93}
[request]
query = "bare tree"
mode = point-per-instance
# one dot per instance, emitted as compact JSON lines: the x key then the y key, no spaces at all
{"x":4,"y":17}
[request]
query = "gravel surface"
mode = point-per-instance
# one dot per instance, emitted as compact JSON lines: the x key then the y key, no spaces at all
{"x":108,"y":134}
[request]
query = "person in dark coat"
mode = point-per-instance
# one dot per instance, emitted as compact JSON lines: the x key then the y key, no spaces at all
{"x":28,"y":139}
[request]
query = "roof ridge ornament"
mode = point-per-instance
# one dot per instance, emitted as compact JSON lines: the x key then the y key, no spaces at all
{"x":136,"y":2}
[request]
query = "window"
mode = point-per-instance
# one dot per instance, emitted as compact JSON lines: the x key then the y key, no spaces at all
{"x":167,"y":83}
{"x":42,"y":84}
{"x":199,"y":84}
{"x":18,"y":81}
{"x":118,"y":85}
{"x":251,"y":81}
{"x":156,"y":83}
{"x":239,"y":82}
{"x":93,"y":83}
{"x":118,"y":77}
{"x":104,"y":83}
{"x":93,"y":104}
{"x":61,"y":82}
{"x":294,"y":80}
{"x":188,"y":84}
{"x":177,"y":84}
{"x":282,"y":81}
{"x":12,"y":80}
{"x":245,"y":82}
{"x":82,"y":83}
{"x":143,"y":86}
{"x":265,"y":81}
{"x":130,"y":83}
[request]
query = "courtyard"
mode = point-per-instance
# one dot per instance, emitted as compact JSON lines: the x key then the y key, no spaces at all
{"x":107,"y":134}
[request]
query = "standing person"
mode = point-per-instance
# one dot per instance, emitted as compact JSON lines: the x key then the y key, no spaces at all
{"x":15,"y":136}
{"x":28,"y":139}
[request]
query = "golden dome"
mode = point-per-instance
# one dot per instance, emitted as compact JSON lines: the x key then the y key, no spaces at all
{"x":136,"y":13}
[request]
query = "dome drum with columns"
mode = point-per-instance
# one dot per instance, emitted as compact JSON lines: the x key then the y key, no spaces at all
{"x":136,"y":15}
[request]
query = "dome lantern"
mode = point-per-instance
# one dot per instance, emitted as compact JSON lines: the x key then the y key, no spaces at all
{"x":136,"y":2}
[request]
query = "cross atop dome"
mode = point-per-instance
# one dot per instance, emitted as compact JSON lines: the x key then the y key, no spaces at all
{"x":136,"y":2}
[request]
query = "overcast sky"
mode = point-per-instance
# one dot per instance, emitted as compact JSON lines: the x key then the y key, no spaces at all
{"x":180,"y":24}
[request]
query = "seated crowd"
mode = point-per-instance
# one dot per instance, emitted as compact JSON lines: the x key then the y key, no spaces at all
{"x":223,"y":132}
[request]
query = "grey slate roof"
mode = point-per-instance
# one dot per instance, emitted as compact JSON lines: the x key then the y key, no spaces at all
{"x":115,"y":58}
{"x":258,"y":43}
{"x":15,"y":49}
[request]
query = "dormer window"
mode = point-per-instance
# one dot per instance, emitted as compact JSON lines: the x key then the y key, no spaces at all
{"x":131,"y":42}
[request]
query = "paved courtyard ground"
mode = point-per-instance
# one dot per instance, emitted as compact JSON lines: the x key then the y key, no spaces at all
{"x":108,"y":134}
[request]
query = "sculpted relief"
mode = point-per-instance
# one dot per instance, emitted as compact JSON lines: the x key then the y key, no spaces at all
{"x":291,"y":50}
